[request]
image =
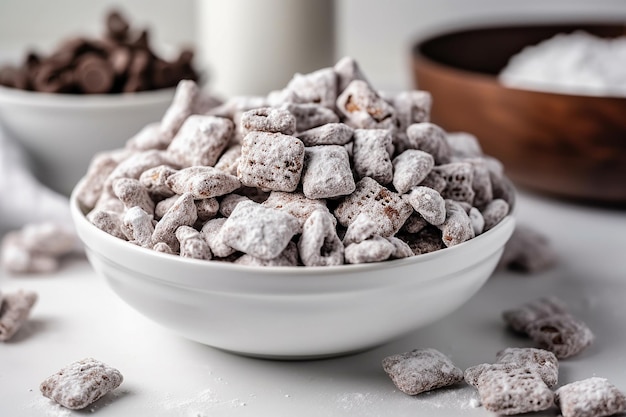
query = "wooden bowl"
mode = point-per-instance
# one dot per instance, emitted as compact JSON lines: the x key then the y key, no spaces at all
{"x":566,"y":145}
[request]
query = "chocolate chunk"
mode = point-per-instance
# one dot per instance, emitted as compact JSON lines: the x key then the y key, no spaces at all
{"x":94,"y":74}
{"x":117,"y":26}
{"x":49,"y":79}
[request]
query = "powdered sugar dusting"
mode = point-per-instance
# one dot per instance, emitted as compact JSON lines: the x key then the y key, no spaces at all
{"x":199,"y":404}
{"x":450,"y":398}
{"x":352,"y":400}
{"x":48,"y":408}
{"x":474,"y":403}
{"x":576,"y":63}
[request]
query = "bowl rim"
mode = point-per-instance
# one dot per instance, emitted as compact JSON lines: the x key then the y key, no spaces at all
{"x":80,"y":218}
{"x":10,"y":95}
{"x":417,"y":54}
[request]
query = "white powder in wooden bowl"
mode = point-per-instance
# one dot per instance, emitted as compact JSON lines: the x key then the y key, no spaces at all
{"x":574,"y":63}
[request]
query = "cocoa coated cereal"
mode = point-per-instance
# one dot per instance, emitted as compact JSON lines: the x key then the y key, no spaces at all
{"x":421,"y":370}
{"x":592,"y":397}
{"x":81,"y":383}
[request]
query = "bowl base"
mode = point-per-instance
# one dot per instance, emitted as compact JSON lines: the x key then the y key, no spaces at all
{"x":309,"y":357}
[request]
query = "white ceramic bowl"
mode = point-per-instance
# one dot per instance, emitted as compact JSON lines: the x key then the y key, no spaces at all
{"x":292,"y":312}
{"x":62,"y":132}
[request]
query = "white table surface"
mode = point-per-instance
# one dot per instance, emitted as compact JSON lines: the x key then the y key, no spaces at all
{"x":78,"y":316}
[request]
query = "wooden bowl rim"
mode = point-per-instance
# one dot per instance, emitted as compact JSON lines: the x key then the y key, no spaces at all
{"x":419,"y":57}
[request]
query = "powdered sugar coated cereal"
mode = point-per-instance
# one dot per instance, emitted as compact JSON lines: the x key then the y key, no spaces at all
{"x":421,"y":370}
{"x":81,"y":383}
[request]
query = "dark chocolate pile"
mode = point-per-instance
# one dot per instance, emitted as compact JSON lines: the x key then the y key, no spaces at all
{"x":119,"y":62}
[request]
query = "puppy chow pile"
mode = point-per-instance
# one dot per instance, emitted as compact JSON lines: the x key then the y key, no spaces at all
{"x":324,"y":172}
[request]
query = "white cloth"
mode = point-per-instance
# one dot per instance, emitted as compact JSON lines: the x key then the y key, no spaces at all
{"x":23,"y":199}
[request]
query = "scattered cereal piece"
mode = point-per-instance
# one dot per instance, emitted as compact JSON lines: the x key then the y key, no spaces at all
{"x":384,"y":207}
{"x":473,"y":373}
{"x":541,"y":361}
{"x":411,"y":168}
{"x":562,"y":334}
{"x":523,"y":316}
{"x":16,"y":258}
{"x":375,"y":249}
{"x":592,"y":397}
{"x":514,"y":391}
{"x":271,"y":161}
{"x":528,"y":250}
{"x":319,"y":244}
{"x":421,"y":370}
{"x":326,"y":172}
{"x":258,"y":231}
{"x":81,"y":383}
{"x":14,"y":311}
{"x":200,"y":140}
{"x":48,"y":238}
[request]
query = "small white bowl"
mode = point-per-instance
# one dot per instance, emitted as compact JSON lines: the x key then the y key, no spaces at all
{"x":292,"y":312}
{"x":62,"y":132}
